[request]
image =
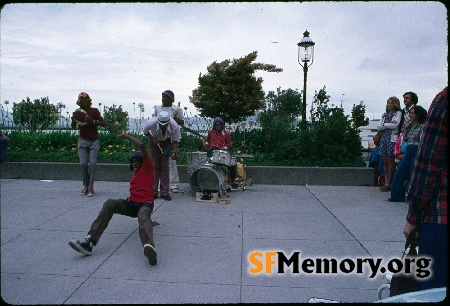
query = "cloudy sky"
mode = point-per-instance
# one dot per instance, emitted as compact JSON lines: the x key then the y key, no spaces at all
{"x":122,"y":53}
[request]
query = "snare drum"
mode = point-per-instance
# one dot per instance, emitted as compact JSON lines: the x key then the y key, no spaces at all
{"x":208,"y":177}
{"x":195,"y":160}
{"x":221,"y":157}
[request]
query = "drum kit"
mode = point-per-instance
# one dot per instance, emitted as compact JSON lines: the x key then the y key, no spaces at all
{"x":208,"y":172}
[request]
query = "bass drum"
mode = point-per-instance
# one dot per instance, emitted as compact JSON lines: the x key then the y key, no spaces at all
{"x":208,"y":177}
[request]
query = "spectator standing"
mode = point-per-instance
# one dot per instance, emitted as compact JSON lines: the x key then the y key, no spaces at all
{"x":4,"y":144}
{"x":409,"y":100}
{"x":163,"y":135}
{"x":168,"y":98}
{"x":389,"y":124}
{"x":88,"y":142}
{"x":427,"y":194}
{"x":404,"y":169}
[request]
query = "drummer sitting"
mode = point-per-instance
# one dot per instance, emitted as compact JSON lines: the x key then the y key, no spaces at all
{"x":219,"y":139}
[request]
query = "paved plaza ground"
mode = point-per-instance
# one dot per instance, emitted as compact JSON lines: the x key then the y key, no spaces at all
{"x":203,"y":248}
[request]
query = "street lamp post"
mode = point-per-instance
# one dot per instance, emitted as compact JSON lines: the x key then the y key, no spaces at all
{"x":141,"y":111}
{"x":6,"y":103}
{"x":342,"y":99}
{"x":305,"y":59}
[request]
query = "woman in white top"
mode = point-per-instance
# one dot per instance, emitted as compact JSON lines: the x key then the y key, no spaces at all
{"x":389,"y":123}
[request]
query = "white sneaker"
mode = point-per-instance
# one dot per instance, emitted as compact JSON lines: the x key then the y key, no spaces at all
{"x":150,"y":253}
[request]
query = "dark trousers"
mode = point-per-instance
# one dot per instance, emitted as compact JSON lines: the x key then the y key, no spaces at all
{"x":3,"y":148}
{"x":142,"y":211}
{"x":378,"y":178}
{"x":233,"y":172}
{"x":161,"y":165}
{"x":433,"y":244}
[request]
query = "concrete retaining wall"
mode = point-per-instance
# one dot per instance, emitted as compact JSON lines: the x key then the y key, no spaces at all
{"x":333,"y":176}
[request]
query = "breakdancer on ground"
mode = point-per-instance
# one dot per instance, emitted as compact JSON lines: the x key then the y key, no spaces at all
{"x":139,"y":204}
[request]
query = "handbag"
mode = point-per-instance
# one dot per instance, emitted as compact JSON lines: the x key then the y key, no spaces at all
{"x":404,"y":283}
{"x":377,"y":138}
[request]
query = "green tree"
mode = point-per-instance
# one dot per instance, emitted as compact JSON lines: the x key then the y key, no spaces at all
{"x":36,"y":115}
{"x":359,"y":115}
{"x":277,"y":123}
{"x":230,"y":90}
{"x":333,"y":141}
{"x":321,"y":100}
{"x":285,"y":102}
{"x":114,"y":114}
{"x":281,"y":109}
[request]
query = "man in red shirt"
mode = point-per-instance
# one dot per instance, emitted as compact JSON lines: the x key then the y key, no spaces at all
{"x":218,"y":138}
{"x":139,"y":204}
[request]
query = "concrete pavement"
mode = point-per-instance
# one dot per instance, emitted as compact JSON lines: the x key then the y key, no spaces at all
{"x":203,"y":248}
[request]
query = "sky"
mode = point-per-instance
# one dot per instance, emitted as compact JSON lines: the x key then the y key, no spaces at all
{"x":125,"y":53}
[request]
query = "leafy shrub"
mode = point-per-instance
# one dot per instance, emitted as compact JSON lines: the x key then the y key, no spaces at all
{"x":320,"y":145}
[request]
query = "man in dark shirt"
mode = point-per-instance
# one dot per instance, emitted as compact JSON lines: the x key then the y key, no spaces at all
{"x":88,"y":119}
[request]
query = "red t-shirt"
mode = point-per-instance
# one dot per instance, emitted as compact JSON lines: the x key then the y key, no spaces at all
{"x":141,"y":184}
{"x":218,"y":140}
{"x":89,"y":131}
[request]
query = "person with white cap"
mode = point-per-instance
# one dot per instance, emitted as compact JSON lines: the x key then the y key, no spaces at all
{"x":163,"y":134}
{"x":168,"y":98}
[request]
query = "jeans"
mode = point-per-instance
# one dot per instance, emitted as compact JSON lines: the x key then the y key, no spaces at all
{"x":88,"y":153}
{"x":402,"y":175}
{"x":142,"y":211}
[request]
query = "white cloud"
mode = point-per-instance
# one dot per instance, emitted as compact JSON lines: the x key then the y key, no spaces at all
{"x":130,"y":52}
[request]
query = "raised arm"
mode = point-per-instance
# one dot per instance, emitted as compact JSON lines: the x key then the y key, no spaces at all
{"x":136,"y":141}
{"x":178,"y":116}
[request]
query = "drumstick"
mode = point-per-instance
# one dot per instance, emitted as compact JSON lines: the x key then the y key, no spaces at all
{"x":159,"y":147}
